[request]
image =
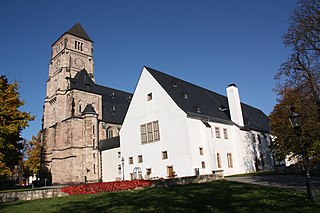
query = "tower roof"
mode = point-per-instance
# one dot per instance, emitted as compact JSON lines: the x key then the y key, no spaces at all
{"x":77,"y":30}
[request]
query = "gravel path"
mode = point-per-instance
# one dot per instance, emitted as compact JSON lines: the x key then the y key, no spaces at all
{"x":281,"y":181}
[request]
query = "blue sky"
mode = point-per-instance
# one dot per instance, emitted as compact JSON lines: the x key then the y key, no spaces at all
{"x":209,"y":43}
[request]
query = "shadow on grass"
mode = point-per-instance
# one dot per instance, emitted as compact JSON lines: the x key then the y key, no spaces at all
{"x":219,"y":196}
{"x":285,"y":181}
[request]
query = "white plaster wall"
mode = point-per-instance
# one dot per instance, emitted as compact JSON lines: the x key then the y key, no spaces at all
{"x":200,"y":136}
{"x":173,"y":129}
{"x":223,"y":146}
{"x":181,"y":137}
{"x":110,"y":162}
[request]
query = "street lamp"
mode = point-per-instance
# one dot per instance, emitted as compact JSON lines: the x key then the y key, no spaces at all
{"x":295,"y":122}
{"x":122,"y":161}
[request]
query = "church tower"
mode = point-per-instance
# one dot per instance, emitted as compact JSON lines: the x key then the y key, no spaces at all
{"x":70,"y":120}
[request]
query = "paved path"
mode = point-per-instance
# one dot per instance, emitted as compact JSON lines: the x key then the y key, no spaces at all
{"x":281,"y":181}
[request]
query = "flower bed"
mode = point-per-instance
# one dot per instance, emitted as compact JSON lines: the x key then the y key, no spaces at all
{"x":92,"y":188}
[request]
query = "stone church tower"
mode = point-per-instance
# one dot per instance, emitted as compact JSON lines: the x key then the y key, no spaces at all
{"x":78,"y":113}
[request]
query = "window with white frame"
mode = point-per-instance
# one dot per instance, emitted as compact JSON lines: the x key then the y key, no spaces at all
{"x":203,"y":165}
{"x":148,"y":171}
{"x":143,"y":133}
{"x":149,"y":96}
{"x":164,"y":155}
{"x":156,"y":130}
{"x":225,"y":133}
{"x":119,"y":169}
{"x":229,"y":158}
{"x":130,"y":160}
{"x":218,"y":160}
{"x":201,"y":150}
{"x":150,"y":132}
{"x":140,"y":160}
{"x":217,"y":130}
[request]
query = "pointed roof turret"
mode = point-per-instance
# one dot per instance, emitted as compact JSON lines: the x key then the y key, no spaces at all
{"x":77,"y":30}
{"x":89,"y":110}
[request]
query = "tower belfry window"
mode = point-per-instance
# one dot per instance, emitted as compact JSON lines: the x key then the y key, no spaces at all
{"x":78,"y":45}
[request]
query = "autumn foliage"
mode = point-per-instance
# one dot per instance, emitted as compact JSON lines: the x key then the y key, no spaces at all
{"x":12,"y":121}
{"x":299,"y":86}
{"x":92,"y":188}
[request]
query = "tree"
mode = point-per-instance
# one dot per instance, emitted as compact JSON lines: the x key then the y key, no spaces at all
{"x":302,"y":70}
{"x":286,"y":142}
{"x":32,"y":164}
{"x":299,"y":84}
{"x":12,"y":121}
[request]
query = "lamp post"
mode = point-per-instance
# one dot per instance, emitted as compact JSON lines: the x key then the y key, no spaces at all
{"x":122,"y":161}
{"x":295,"y":122}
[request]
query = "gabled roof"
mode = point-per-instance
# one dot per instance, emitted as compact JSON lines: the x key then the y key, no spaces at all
{"x":115,"y":102}
{"x":77,"y":30}
{"x":204,"y":104}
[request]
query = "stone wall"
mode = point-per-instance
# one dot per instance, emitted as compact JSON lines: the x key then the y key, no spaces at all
{"x":187,"y":180}
{"x":31,"y":195}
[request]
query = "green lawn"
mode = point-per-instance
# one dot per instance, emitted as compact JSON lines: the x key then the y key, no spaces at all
{"x":219,"y":196}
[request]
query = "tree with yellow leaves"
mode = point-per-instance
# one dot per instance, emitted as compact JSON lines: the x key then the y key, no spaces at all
{"x":32,"y":164}
{"x":12,"y":122}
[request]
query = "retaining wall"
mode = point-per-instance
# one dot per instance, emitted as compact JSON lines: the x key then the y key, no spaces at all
{"x":31,"y":195}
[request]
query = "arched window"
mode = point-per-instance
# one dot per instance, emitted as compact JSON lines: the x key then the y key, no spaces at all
{"x":109,"y":132}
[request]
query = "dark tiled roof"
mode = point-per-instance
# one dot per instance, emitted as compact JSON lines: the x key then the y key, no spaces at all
{"x":115,"y":102}
{"x":110,"y":143}
{"x":205,"y":104}
{"x":77,"y":30}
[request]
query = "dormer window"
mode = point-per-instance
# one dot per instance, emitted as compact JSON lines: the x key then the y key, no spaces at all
{"x":149,"y":96}
{"x":113,"y":96}
{"x":197,"y":108}
{"x":129,"y":98}
{"x":185,"y":96}
{"x":113,"y":110}
{"x":174,"y":83}
{"x":222,"y":108}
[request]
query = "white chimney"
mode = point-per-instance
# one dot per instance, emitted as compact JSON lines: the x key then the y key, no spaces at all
{"x":234,"y":104}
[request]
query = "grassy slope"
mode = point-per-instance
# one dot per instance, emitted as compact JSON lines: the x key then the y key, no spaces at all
{"x":219,"y":196}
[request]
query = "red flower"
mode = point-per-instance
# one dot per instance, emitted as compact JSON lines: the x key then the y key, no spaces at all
{"x":92,"y":188}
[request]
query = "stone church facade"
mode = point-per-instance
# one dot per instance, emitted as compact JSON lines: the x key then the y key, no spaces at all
{"x":78,"y":113}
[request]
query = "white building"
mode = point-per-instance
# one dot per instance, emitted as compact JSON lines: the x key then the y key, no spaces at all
{"x":175,"y":128}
